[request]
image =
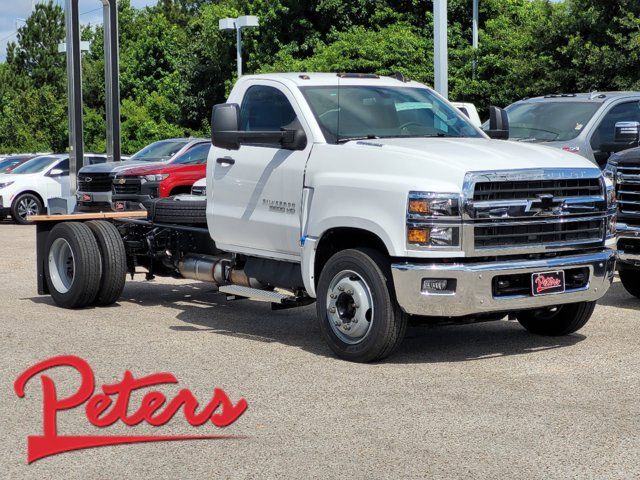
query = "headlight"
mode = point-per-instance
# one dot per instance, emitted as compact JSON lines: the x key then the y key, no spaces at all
{"x":612,"y":201}
{"x":433,"y":220}
{"x":427,"y":204}
{"x":5,"y":184}
{"x":156,"y":178}
{"x":611,"y":171}
{"x":199,"y":191}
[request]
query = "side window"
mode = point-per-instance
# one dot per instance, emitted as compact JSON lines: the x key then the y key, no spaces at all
{"x":265,"y":109}
{"x":195,"y":155}
{"x":64,"y":166}
{"x":624,"y":112}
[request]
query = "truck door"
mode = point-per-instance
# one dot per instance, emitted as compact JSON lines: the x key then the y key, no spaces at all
{"x":604,"y":133}
{"x":57,"y":184}
{"x":257,"y":190}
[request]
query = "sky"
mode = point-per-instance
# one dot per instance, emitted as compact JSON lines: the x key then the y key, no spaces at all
{"x":13,"y":10}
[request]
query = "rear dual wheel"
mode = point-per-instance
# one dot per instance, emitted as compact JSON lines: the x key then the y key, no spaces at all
{"x":85,"y":264}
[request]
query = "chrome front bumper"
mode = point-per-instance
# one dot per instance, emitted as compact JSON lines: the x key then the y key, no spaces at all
{"x":474,"y":284}
{"x":626,"y":232}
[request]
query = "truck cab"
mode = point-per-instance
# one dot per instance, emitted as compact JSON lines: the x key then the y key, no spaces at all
{"x":581,"y":123}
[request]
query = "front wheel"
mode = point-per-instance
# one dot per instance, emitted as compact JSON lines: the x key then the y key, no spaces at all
{"x":24,"y":206}
{"x":630,"y":278}
{"x":356,"y":306}
{"x":558,"y":320}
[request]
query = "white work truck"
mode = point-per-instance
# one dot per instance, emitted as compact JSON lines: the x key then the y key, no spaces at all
{"x":372,"y":196}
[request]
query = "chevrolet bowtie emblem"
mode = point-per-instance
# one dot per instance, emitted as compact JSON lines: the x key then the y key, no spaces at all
{"x":121,"y":181}
{"x":546,"y":204}
{"x":545,"y":201}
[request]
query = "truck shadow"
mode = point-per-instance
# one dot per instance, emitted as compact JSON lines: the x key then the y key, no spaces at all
{"x":202,"y":310}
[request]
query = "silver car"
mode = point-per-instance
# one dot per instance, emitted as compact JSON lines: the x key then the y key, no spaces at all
{"x":582,"y":123}
{"x":95,"y":181}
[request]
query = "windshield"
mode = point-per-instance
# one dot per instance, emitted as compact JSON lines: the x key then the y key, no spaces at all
{"x":159,"y":151}
{"x":35,"y":165}
{"x":354,"y":112}
{"x":549,"y":121}
{"x":8,"y":164}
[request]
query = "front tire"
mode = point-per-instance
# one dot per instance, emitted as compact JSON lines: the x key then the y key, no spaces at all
{"x":630,"y":278}
{"x":358,"y":314}
{"x":72,"y":265}
{"x":557,"y":321}
{"x":25,"y":205}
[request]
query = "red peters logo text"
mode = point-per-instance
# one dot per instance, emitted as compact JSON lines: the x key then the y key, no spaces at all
{"x":105,"y":408}
{"x":546,"y":283}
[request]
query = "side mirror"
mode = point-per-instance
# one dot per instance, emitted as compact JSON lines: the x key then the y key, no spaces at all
{"x":498,"y":124}
{"x":225,"y":124}
{"x":626,"y":135}
{"x":226,"y":133}
{"x":627,"y":132}
{"x":56,"y":172}
{"x":294,"y":138}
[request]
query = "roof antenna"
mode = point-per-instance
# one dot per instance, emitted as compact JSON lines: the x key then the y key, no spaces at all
{"x":399,"y":76}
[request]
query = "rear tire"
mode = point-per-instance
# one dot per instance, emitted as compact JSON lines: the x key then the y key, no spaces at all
{"x":25,"y":205}
{"x":72,"y":265}
{"x":359,"y":316}
{"x":630,"y":278}
{"x":114,"y":261}
{"x":557,"y":321}
{"x":181,"y":212}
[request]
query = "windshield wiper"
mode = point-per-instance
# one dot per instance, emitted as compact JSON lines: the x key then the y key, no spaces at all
{"x":351,"y":139}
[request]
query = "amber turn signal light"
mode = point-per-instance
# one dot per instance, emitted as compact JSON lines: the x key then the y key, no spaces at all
{"x":418,"y":235}
{"x":419,"y":206}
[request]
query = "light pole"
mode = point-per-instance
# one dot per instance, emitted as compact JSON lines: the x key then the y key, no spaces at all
{"x":474,"y":39}
{"x":440,"y":59}
{"x":237,"y":24}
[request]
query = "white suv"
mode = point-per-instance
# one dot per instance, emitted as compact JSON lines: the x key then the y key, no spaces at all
{"x":27,"y":190}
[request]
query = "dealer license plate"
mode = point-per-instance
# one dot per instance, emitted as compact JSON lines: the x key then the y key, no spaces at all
{"x":546,"y":283}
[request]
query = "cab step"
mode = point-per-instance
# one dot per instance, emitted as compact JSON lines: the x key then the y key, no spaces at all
{"x":256,"y":294}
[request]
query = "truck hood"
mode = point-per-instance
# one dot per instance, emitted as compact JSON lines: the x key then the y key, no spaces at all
{"x":156,"y":168}
{"x":627,"y":156}
{"x":14,"y":177}
{"x":454,"y":157}
{"x":110,"y":167}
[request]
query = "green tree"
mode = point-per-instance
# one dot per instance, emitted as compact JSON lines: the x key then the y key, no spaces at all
{"x":35,"y":54}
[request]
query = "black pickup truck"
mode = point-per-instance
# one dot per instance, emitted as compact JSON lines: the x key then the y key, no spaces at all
{"x":624,"y":170}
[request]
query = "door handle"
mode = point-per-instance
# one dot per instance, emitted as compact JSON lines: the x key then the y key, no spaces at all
{"x":225,"y":161}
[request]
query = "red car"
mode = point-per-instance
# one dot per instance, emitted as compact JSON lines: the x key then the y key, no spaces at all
{"x":137,"y":186}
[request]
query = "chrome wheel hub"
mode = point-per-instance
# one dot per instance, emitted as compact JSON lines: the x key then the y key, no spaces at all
{"x":27,"y":206}
{"x":349,"y":307}
{"x":62,"y":265}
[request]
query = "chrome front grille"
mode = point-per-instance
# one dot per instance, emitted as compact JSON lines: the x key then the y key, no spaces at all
{"x":94,"y":182}
{"x":522,"y":189}
{"x":544,"y":232}
{"x":533,"y":211}
{"x":628,"y":193}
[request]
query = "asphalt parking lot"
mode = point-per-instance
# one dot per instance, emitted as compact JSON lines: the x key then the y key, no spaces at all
{"x":474,"y":401}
